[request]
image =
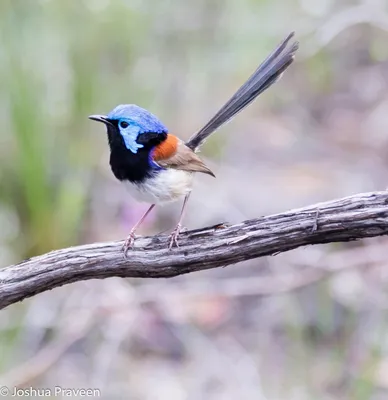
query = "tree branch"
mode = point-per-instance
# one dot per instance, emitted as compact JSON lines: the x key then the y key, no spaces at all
{"x":355,"y":217}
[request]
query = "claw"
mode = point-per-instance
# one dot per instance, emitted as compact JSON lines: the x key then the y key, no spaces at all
{"x":128,"y":244}
{"x":315,"y":224}
{"x":174,"y":236}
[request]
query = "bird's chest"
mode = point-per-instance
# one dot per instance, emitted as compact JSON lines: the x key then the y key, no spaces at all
{"x":127,"y":166}
{"x":162,"y":187}
{"x":146,"y":182}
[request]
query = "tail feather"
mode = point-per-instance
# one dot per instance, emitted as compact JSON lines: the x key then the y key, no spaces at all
{"x":267,"y":73}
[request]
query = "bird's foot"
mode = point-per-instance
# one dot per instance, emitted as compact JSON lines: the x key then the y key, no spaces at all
{"x":315,"y":224}
{"x":174,"y":236}
{"x":128,"y":244}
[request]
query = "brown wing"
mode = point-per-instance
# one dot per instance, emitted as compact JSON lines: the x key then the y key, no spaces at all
{"x":184,"y":159}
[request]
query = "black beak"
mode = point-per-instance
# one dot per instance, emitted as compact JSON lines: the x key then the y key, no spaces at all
{"x":100,"y":118}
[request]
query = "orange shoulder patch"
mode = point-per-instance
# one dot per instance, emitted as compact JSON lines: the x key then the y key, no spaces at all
{"x":166,"y":149}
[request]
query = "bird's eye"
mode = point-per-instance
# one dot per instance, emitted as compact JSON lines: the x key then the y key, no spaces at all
{"x":124,"y":124}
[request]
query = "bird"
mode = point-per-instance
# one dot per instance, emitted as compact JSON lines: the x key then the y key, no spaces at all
{"x":156,"y":166}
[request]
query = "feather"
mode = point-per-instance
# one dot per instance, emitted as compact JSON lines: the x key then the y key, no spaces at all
{"x":182,"y":158}
{"x":166,"y":148}
{"x":267,"y":73}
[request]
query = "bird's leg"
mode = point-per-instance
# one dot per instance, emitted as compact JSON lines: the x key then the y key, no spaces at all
{"x":175,"y":233}
{"x":128,"y":244}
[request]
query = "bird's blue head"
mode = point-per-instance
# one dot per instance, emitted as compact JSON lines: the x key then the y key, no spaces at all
{"x":134,"y":124}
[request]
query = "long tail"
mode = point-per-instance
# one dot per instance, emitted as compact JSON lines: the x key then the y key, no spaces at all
{"x":267,"y":73}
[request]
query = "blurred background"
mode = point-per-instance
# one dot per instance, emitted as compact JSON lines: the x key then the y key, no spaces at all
{"x":308,"y":324}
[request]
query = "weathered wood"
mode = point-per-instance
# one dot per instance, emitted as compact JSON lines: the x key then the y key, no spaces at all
{"x":355,"y":217}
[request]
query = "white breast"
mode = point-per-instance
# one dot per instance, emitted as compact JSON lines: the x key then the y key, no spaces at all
{"x":166,"y":186}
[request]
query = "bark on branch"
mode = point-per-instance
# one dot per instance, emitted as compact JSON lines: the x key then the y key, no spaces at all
{"x":355,"y":217}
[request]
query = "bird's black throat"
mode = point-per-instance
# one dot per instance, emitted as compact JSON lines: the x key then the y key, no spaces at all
{"x":128,"y":166}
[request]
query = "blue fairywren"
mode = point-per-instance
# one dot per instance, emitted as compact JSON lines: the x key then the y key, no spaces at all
{"x":155,"y":165}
